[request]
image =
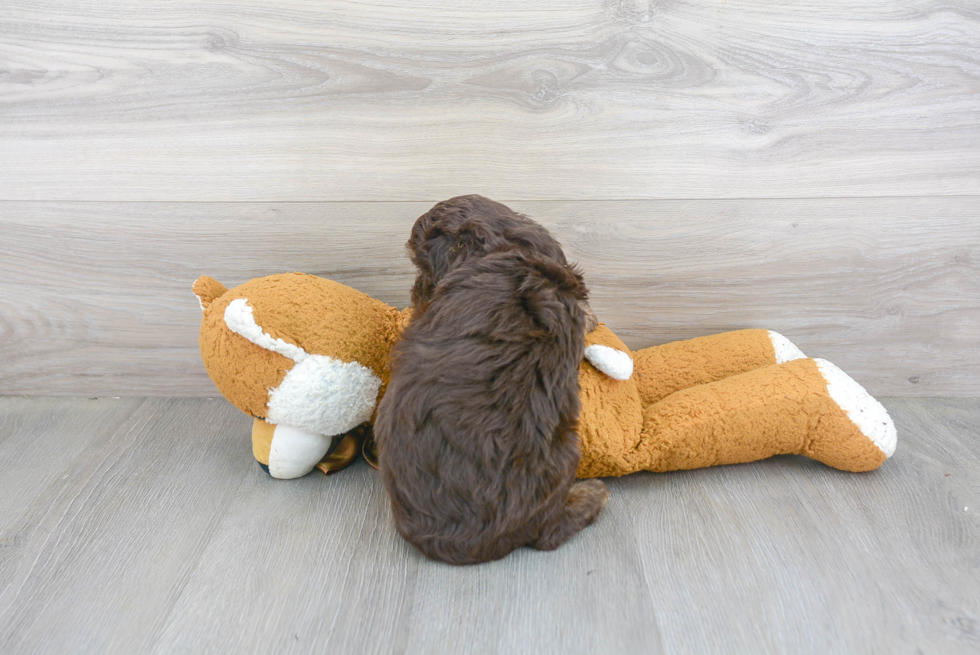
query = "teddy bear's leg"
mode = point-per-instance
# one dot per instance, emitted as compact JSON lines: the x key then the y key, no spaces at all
{"x":287,"y":452}
{"x":806,"y":406}
{"x":662,"y":370}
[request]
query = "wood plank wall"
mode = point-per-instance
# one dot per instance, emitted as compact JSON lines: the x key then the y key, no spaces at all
{"x":812,"y":168}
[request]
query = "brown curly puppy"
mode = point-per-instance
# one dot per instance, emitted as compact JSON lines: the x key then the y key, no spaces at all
{"x":462,"y":228}
{"x":476,"y":431}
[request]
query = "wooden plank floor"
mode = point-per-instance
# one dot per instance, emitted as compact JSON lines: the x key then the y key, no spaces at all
{"x":143,"y":526}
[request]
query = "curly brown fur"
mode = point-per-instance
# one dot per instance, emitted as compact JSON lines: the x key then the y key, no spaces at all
{"x":476,"y":431}
{"x":460,"y":229}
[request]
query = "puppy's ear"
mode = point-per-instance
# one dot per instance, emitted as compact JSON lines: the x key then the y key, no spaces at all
{"x":565,"y":277}
{"x":428,"y":247}
{"x":431,"y":264}
{"x":441,"y":239}
{"x":552,"y":294}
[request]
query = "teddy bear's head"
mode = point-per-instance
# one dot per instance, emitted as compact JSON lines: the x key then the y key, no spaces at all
{"x":297,"y":350}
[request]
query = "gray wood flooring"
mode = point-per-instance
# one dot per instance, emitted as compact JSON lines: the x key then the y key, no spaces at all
{"x":143,"y":526}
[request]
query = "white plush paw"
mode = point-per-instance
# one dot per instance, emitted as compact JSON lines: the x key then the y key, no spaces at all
{"x":294,"y":453}
{"x":786,"y":350}
{"x":870,"y":416}
{"x":614,"y":363}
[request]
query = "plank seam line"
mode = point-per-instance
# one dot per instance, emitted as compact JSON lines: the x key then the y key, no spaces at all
{"x":505,"y":200}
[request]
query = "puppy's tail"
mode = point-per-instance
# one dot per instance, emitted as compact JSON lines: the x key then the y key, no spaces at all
{"x":585,"y":500}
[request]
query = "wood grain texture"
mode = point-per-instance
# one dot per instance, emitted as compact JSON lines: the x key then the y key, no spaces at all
{"x":95,"y":297}
{"x":817,"y":560}
{"x":408,"y":100}
{"x":161,"y":535}
{"x":99,"y":554}
{"x":329,"y":574}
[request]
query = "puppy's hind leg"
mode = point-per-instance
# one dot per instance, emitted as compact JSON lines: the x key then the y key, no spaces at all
{"x":585,"y":500}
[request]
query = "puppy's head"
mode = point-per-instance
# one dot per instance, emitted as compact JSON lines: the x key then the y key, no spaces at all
{"x":464,"y":227}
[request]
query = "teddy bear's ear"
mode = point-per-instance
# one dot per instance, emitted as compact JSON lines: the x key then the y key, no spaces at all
{"x":207,"y":290}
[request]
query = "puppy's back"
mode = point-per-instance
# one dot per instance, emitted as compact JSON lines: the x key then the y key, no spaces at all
{"x":476,"y":429}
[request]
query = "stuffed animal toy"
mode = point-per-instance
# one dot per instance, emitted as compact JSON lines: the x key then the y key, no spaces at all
{"x":308,"y":358}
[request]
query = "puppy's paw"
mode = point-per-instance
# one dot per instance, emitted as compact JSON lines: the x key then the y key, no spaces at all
{"x":587,"y":498}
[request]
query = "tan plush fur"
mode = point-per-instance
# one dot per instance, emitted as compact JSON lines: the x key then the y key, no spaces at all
{"x":713,"y":400}
{"x":318,"y":315}
{"x":721,"y":399}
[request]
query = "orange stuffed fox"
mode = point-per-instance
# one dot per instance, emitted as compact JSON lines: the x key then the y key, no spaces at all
{"x":308,"y":358}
